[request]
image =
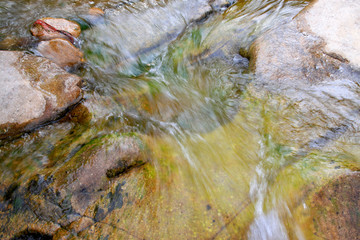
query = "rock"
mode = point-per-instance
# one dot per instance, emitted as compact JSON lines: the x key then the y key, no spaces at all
{"x":220,"y":4}
{"x":299,"y":62}
{"x":80,"y":192}
{"x":8,"y":43}
{"x":119,"y":38}
{"x":61,"y":51}
{"x":34,"y":91}
{"x":96,"y":11}
{"x":335,"y":208}
{"x":340,"y":32}
{"x":44,"y":32}
{"x":87,"y":173}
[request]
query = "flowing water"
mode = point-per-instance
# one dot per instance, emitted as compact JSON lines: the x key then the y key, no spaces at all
{"x":219,"y":167}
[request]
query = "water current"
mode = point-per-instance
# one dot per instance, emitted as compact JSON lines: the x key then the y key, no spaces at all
{"x":219,"y":166}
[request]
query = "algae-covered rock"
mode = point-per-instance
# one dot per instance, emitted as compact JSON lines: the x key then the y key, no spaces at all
{"x":34,"y":91}
{"x":80,"y":192}
{"x":89,"y":171}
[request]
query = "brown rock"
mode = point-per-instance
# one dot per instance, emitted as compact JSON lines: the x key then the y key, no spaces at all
{"x":81,"y":224}
{"x":61,"y":51}
{"x":98,"y":161}
{"x":336,"y":208}
{"x":96,"y":11}
{"x":34,"y":91}
{"x":60,"y":24}
{"x":68,"y":193}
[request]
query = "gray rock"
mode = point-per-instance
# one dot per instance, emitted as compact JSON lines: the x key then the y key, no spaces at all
{"x":129,"y":34}
{"x":220,"y":4}
{"x":34,"y":91}
{"x":314,"y":65}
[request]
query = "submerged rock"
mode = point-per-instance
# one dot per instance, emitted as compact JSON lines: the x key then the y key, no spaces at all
{"x":131,"y":34}
{"x":34,"y":91}
{"x":312,"y":61}
{"x":96,"y":11}
{"x":54,"y":28}
{"x":336,"y":208}
{"x":62,"y":52}
{"x":220,"y":4}
{"x":79,"y":193}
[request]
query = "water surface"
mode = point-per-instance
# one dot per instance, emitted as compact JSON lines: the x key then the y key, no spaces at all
{"x":219,"y":168}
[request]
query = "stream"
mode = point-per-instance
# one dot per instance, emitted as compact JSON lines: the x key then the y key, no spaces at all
{"x":223,"y":162}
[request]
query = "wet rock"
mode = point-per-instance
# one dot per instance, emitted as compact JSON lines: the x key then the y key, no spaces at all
{"x":8,"y":43}
{"x":55,"y":28}
{"x":309,"y":49}
{"x":303,"y":62}
{"x":120,"y":37}
{"x":61,"y":51}
{"x":338,"y":24}
{"x":96,"y":11}
{"x":220,"y":4}
{"x":87,"y":175}
{"x":31,"y":235}
{"x":35,"y":91}
{"x":81,"y":224}
{"x":335,"y":208}
{"x":78,"y":193}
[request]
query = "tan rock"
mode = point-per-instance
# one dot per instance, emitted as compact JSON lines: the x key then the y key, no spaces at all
{"x":61,"y":51}
{"x":34,"y":91}
{"x":96,"y":11}
{"x":337,"y":22}
{"x":60,"y":24}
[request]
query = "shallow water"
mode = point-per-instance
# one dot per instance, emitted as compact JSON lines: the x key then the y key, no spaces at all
{"x":219,"y":168}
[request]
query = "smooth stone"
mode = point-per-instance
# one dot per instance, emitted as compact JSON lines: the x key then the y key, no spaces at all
{"x":34,"y":91}
{"x":58,"y":23}
{"x":61,"y":51}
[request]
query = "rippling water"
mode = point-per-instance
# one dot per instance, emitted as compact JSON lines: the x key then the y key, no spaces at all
{"x":219,"y":168}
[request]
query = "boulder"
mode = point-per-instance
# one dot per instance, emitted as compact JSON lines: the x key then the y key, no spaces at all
{"x":61,"y":51}
{"x":80,"y":192}
{"x":311,"y":48}
{"x":34,"y":91}
{"x":311,"y":62}
{"x":88,"y":173}
{"x":53,"y":27}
